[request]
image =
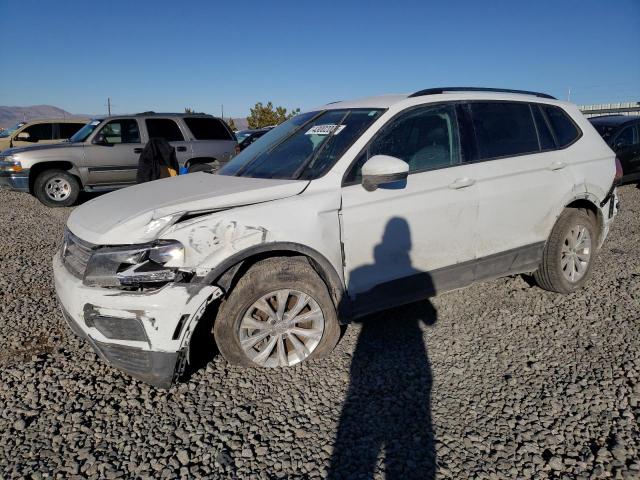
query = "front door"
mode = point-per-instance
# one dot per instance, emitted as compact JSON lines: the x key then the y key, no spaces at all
{"x":408,"y":240}
{"x":112,"y":156}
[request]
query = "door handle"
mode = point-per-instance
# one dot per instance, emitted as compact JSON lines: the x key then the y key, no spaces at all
{"x":461,"y":183}
{"x":181,"y":149}
{"x":137,"y":150}
{"x":556,"y":166}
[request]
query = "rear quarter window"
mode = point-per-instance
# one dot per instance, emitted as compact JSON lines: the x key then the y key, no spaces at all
{"x":564,"y":129}
{"x":208,"y":129}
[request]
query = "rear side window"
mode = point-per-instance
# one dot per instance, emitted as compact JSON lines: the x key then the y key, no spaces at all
{"x":503,"y":129}
{"x":164,"y":128}
{"x":546,"y":138}
{"x":208,"y":129}
{"x":67,"y":130}
{"x":563,"y":127}
{"x":40,"y":131}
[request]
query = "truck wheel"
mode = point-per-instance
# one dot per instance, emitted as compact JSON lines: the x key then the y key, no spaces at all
{"x":56,"y":188}
{"x":278,"y":315}
{"x":568,"y":256}
{"x":204,"y":167}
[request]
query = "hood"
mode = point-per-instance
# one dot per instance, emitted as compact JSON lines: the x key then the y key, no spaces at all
{"x":34,"y":148}
{"x":139,"y":213}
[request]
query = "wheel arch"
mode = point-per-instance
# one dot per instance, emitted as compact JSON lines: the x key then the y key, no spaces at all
{"x":230,"y":270}
{"x":40,"y":167}
{"x":198,"y":160}
{"x":591,"y":204}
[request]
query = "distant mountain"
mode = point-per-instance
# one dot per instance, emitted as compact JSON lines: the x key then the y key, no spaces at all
{"x":12,"y":115}
{"x":9,"y":116}
{"x":241,"y":123}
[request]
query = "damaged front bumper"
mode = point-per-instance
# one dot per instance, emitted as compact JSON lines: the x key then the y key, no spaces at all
{"x":145,"y":334}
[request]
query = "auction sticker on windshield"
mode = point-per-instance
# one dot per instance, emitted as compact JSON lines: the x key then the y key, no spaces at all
{"x":325,"y":129}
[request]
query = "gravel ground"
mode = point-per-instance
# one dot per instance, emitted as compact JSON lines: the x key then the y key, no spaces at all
{"x":500,"y":380}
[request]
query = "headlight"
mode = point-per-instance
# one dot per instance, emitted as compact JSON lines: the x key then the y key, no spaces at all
{"x":134,"y":265}
{"x":10,"y":164}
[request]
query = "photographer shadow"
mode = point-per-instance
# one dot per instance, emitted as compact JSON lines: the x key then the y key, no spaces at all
{"x":387,"y":412}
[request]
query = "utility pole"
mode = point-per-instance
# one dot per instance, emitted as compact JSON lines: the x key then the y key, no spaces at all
{"x":569,"y":95}
{"x":222,"y":108}
{"x":109,"y":105}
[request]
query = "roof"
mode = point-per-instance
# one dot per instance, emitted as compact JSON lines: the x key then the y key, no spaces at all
{"x":614,"y":120}
{"x":164,"y":114}
{"x":438,"y":94}
{"x":56,"y":120}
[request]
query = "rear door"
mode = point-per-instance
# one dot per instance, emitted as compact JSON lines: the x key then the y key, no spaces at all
{"x":522,"y":182}
{"x":211,"y":138}
{"x":111,"y":158}
{"x":169,"y":129}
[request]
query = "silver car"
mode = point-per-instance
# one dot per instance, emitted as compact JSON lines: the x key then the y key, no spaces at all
{"x":104,"y":154}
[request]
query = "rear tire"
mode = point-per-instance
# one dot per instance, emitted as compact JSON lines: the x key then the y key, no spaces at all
{"x":56,"y":188}
{"x":569,"y":253}
{"x":204,"y":167}
{"x":289,"y":337}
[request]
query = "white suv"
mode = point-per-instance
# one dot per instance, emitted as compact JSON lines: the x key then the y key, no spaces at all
{"x":347,"y":209}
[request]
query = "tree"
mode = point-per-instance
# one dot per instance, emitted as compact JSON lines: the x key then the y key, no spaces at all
{"x":231,"y":124}
{"x":266,"y":115}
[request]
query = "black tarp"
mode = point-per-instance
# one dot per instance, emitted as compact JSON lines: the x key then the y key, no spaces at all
{"x":157,"y":160}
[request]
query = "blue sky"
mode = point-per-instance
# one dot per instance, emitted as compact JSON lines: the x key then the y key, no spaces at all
{"x":166,"y":55}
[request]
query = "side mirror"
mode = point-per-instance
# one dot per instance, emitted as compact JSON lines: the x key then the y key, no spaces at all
{"x":100,"y":140}
{"x":382,"y":170}
{"x":25,"y":137}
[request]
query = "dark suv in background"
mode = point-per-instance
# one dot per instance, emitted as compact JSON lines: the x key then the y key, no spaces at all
{"x":104,"y":154}
{"x":622,"y":133}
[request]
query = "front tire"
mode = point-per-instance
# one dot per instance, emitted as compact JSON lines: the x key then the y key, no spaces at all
{"x":56,"y":188}
{"x":279,"y":314}
{"x":569,"y":254}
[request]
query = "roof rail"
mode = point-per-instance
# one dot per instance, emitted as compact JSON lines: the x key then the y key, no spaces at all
{"x":436,"y":91}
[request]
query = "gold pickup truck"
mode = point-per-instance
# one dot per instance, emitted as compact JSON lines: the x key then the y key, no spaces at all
{"x":41,"y":132}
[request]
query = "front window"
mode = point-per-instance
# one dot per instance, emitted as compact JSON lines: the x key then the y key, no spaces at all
{"x":304,"y":147}
{"x":82,"y":134}
{"x":424,"y":137}
{"x":120,"y":131}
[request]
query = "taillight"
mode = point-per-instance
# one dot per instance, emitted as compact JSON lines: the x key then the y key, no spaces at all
{"x":238,"y":149}
{"x":619,"y":172}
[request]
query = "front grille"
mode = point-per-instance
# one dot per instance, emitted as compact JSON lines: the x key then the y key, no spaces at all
{"x":75,"y":254}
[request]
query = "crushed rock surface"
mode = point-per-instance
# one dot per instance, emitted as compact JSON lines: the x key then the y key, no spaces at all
{"x":499,"y":380}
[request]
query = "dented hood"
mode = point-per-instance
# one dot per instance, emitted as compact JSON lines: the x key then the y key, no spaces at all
{"x":138,"y":213}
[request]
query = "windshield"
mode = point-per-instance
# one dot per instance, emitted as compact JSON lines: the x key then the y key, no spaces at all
{"x":9,"y":131}
{"x":82,"y":134}
{"x":304,"y":147}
